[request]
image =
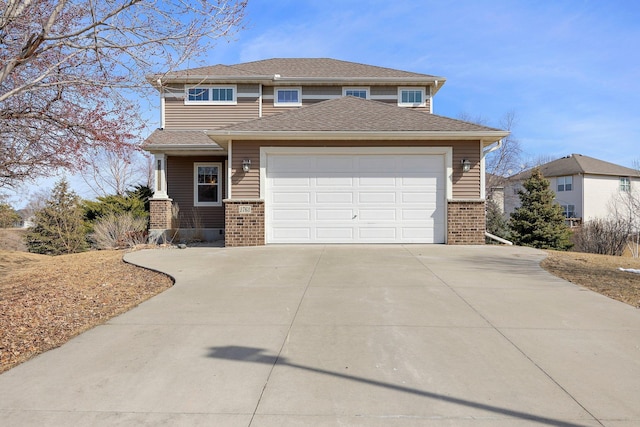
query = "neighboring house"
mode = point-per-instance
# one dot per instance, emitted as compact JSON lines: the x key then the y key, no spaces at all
{"x":585,"y":187}
{"x":316,"y":150}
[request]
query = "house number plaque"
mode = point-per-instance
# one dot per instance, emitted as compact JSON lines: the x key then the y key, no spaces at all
{"x":244,"y":209}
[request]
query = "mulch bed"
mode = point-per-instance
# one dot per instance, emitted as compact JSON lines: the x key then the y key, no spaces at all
{"x":45,"y":301}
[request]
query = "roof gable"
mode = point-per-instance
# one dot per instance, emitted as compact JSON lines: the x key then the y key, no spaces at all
{"x":579,"y":164}
{"x":350,"y":114}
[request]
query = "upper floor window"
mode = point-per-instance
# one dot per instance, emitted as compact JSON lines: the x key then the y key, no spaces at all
{"x":206,"y":191}
{"x":211,"y":95}
{"x":565,"y":183}
{"x":411,"y":97}
{"x":625,"y":183}
{"x":288,"y":97}
{"x":358,"y":92}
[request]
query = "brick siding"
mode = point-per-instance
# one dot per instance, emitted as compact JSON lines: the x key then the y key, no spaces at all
{"x":247,"y":228}
{"x":466,"y":222}
{"x":160,"y":214}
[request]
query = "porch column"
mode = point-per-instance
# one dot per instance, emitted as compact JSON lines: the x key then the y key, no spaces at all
{"x":160,"y":176}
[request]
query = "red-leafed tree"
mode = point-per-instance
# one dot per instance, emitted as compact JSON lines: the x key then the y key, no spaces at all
{"x":70,"y":71}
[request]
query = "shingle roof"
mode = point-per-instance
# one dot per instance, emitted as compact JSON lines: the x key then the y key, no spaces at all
{"x":322,"y":67}
{"x":167,"y":138}
{"x":299,"y":68}
{"x":350,"y":114}
{"x":579,"y":164}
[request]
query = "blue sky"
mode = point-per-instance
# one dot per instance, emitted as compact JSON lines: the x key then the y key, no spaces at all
{"x":570,"y":70}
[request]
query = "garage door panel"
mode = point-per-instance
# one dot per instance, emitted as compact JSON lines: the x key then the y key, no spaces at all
{"x":292,"y":234}
{"x":291,"y":181}
{"x":290,"y":214}
{"x":334,"y":181}
{"x":377,"y":181}
{"x":367,"y":233}
{"x":417,"y":233}
{"x":355,"y":198}
{"x":377,"y":214}
{"x":432,"y":182}
{"x":329,"y":234}
{"x":334,"y":214}
{"x":372,"y":163}
{"x":333,"y":197}
{"x":418,"y":197}
{"x":416,"y":214}
{"x":289,"y":164}
{"x":291,"y":197}
{"x":334,"y":163}
{"x":377,"y":197}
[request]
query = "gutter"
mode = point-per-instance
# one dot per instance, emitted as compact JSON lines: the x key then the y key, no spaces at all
{"x":492,"y":148}
{"x":486,"y":136}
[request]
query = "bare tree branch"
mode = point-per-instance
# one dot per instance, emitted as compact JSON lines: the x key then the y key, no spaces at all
{"x":64,"y":65}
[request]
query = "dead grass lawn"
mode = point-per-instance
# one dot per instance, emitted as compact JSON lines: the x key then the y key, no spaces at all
{"x":600,"y":273}
{"x":45,"y":301}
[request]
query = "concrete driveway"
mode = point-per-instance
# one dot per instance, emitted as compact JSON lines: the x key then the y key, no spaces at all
{"x":344,"y":335}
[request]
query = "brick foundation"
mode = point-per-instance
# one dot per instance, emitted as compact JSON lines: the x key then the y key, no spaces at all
{"x":160,"y":214}
{"x":244,"y":222}
{"x":466,"y":222}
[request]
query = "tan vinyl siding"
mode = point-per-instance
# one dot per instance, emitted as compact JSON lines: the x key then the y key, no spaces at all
{"x":193,"y":116}
{"x":465,"y":186}
{"x":181,"y":116}
{"x":245,"y":185}
{"x":329,"y":91}
{"x":384,"y":91}
{"x":180,"y":182}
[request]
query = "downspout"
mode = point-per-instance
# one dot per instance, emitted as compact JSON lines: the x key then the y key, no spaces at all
{"x":159,"y":81}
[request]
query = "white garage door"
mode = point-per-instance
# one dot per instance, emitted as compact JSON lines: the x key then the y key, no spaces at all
{"x":355,"y":198}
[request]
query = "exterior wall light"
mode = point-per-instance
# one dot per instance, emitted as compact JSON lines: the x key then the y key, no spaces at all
{"x":466,"y":165}
{"x":246,"y":165}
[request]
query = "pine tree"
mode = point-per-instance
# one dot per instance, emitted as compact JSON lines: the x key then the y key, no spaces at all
{"x":8,"y":216}
{"x":497,"y":223}
{"x":59,"y":225}
{"x":539,"y":222}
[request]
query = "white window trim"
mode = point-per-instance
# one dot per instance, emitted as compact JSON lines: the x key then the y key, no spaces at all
{"x":564,"y":183}
{"x":412,"y":104}
{"x":364,"y":88}
{"x":210,"y":88}
{"x":195,"y":183}
{"x":566,"y":210}
{"x":627,"y":184}
{"x":287,"y":104}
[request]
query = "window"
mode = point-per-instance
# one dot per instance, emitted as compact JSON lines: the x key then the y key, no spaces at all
{"x":198,"y":94}
{"x":625,"y":184}
{"x":565,"y":183}
{"x":222,"y":94}
{"x":289,"y":97}
{"x":211,"y":95}
{"x":358,"y":92}
{"x":411,"y":97}
{"x":206,"y":190}
{"x":569,"y":211}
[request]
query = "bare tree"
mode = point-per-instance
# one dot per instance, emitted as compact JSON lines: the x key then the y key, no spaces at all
{"x":64,"y":67}
{"x":507,"y":160}
{"x":112,"y":172}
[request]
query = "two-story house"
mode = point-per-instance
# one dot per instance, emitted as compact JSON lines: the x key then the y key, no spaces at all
{"x":316,"y":150}
{"x":585,"y":187}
